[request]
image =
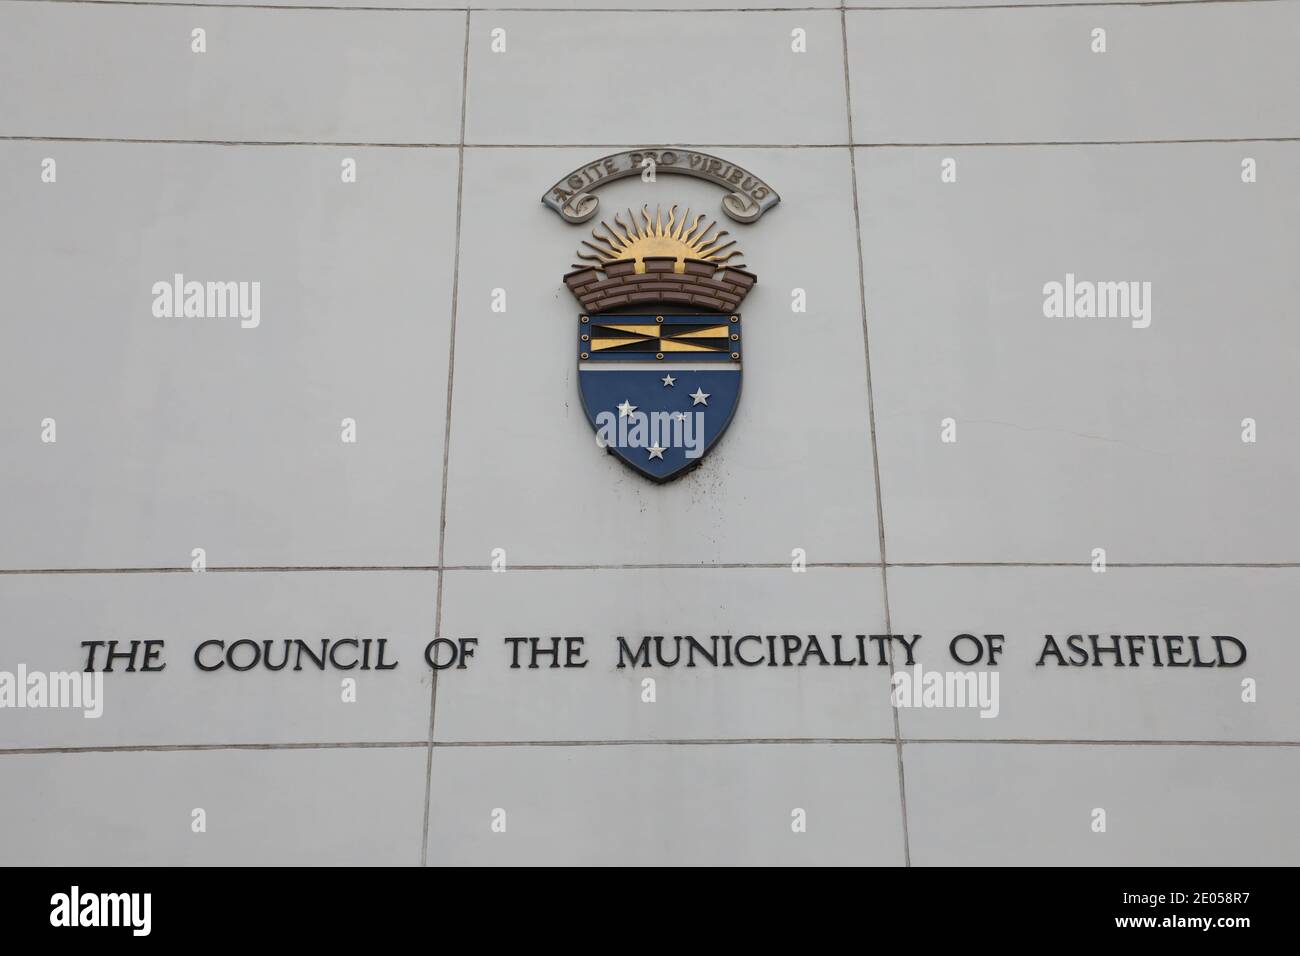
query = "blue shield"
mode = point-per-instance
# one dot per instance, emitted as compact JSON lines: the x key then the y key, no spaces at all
{"x":659,"y":389}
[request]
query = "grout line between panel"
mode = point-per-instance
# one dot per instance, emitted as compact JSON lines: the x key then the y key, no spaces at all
{"x":666,"y":566}
{"x":871,"y":419}
{"x":653,"y":742}
{"x":807,"y":8}
{"x":446,"y":438}
{"x":1176,"y":141}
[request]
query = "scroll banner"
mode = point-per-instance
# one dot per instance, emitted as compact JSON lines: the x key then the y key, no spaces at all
{"x":748,"y":197}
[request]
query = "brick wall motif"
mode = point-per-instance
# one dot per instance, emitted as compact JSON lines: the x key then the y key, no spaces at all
{"x":702,"y":284}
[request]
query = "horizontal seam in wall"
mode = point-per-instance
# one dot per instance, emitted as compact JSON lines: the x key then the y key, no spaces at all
{"x":670,"y":742}
{"x":719,"y":566}
{"x":1185,"y":141}
{"x":819,"y":8}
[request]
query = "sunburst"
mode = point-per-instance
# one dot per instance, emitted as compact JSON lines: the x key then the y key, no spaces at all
{"x":655,"y":236}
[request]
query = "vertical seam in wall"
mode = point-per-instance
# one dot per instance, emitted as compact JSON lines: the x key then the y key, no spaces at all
{"x":871,"y":418}
{"x":446,"y":440}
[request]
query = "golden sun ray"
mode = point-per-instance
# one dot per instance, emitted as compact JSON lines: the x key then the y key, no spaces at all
{"x":652,"y":236}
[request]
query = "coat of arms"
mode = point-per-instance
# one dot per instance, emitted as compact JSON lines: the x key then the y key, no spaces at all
{"x":659,"y":341}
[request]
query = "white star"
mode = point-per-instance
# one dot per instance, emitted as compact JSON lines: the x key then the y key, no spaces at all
{"x":656,"y":451}
{"x":699,"y":396}
{"x":626,"y":409}
{"x":668,"y":381}
{"x":679,"y":416}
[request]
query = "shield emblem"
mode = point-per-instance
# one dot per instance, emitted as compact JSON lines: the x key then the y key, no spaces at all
{"x":658,"y":388}
{"x":659,"y":345}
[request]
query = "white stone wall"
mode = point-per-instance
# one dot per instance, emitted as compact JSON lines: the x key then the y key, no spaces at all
{"x":925,"y":301}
